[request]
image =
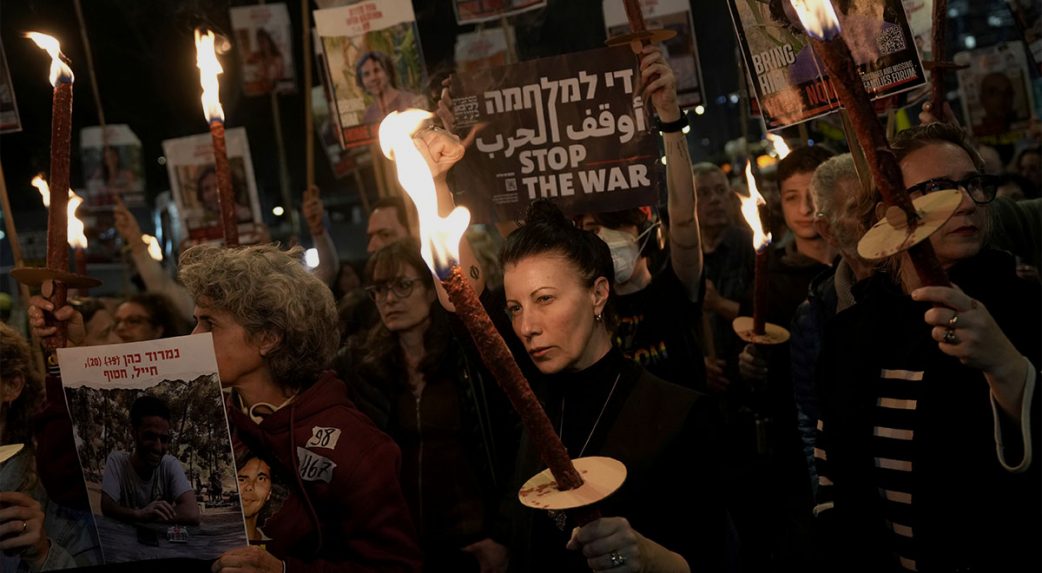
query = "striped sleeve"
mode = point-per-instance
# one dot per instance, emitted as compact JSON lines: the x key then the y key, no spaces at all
{"x":823,"y":502}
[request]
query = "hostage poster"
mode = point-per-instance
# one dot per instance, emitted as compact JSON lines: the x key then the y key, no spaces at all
{"x":154,"y":408}
{"x":474,"y":11}
{"x":681,"y":50}
{"x":569,"y":128}
{"x":995,"y":89}
{"x":193,"y":181}
{"x":113,"y":166}
{"x":374,"y":65}
{"x":265,"y":46}
{"x":790,"y":82}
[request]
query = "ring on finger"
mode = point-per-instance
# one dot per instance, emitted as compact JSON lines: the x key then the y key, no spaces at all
{"x":949,"y":337}
{"x":953,"y":321}
{"x":615,"y":559}
{"x":25,"y":525}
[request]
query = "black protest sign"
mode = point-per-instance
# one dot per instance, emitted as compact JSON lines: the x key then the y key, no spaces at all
{"x":573,"y":129}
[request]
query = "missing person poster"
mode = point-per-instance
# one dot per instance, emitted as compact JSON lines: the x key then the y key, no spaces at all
{"x":1028,"y":16}
{"x":570,"y":128}
{"x":265,"y":45}
{"x":681,"y":50}
{"x":374,"y":65}
{"x":155,"y":408}
{"x":113,"y":166}
{"x":9,"y":120}
{"x":790,"y":82}
{"x":483,"y":48}
{"x":474,"y":11}
{"x":996,"y":94}
{"x":193,"y":180}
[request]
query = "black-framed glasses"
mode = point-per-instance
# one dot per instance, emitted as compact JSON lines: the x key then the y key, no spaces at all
{"x":982,"y":188}
{"x":401,"y":287}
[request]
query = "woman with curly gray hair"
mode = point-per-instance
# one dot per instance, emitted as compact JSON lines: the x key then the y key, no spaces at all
{"x":274,"y":330}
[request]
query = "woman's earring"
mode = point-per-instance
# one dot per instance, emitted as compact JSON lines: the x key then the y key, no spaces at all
{"x":598,"y":317}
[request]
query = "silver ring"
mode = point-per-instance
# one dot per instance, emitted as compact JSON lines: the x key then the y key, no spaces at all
{"x":615,"y":560}
{"x":25,"y":525}
{"x":949,"y":337}
{"x":954,"y":320}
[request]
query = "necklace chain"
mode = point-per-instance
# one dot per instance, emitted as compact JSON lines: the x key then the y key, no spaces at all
{"x":560,"y":431}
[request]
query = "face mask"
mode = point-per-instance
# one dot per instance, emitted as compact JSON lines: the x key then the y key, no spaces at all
{"x":624,"y":250}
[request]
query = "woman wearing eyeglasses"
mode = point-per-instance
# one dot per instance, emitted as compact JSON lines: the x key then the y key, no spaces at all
{"x":422,"y":384}
{"x":930,"y":412}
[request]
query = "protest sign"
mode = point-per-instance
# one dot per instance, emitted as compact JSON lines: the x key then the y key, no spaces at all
{"x":9,"y":119}
{"x":570,"y":128}
{"x":193,"y":181}
{"x":481,"y":49}
{"x":374,"y":65}
{"x":1028,"y":16}
{"x":681,"y":50}
{"x":113,"y":166}
{"x":155,"y":404}
{"x":264,"y":42}
{"x":790,"y":82}
{"x":474,"y":11}
{"x":996,"y":94}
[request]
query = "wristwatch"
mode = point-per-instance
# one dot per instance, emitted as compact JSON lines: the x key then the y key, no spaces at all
{"x":672,"y":126}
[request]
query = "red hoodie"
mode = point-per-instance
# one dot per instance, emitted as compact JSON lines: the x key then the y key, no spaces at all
{"x":345,"y":511}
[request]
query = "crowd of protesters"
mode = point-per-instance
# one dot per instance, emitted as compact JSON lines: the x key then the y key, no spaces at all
{"x":894,"y":431}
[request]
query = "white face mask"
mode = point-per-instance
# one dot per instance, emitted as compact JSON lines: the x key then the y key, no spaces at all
{"x":624,"y":250}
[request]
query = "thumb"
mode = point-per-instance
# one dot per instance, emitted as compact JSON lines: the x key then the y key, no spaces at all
{"x":573,"y":542}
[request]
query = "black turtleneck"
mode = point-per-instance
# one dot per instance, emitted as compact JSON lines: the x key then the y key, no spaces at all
{"x":581,"y":396}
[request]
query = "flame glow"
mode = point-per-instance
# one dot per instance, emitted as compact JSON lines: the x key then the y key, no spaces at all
{"x":751,"y":210}
{"x":45,"y":191}
{"x":818,"y":18}
{"x":209,"y":69}
{"x":154,"y":250}
{"x":439,"y":236}
{"x":780,"y":147}
{"x":59,"y":71}
{"x":77,"y":238}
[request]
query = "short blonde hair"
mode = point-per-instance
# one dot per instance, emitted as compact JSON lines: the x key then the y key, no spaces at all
{"x":269,"y":290}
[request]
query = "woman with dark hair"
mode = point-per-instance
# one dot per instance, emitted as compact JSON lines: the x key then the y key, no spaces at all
{"x":668,"y":515}
{"x":425,"y":386}
{"x":146,"y":316}
{"x":929,"y":408}
{"x":375,"y":73}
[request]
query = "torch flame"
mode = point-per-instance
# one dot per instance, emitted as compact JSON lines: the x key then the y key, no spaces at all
{"x":209,"y":69}
{"x":439,"y":236}
{"x":780,"y":147}
{"x":818,"y":18}
{"x":751,"y":210}
{"x":154,"y":250}
{"x":45,"y":191}
{"x":77,"y":238}
{"x":59,"y":71}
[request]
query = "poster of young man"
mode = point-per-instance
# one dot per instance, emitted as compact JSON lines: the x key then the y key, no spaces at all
{"x":481,"y":49}
{"x":151,"y":431}
{"x":113,"y":166}
{"x":790,"y":82}
{"x":374,"y":65}
{"x":9,"y":119}
{"x":264,"y":42}
{"x":996,"y":94}
{"x":193,"y":180}
{"x":474,"y":11}
{"x":570,"y":128}
{"x":681,"y":50}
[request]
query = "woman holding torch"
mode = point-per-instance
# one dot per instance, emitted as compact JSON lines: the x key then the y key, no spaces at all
{"x":668,"y":514}
{"x":929,"y":401}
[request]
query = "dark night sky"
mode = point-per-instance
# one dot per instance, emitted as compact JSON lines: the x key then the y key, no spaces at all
{"x":144,"y":59}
